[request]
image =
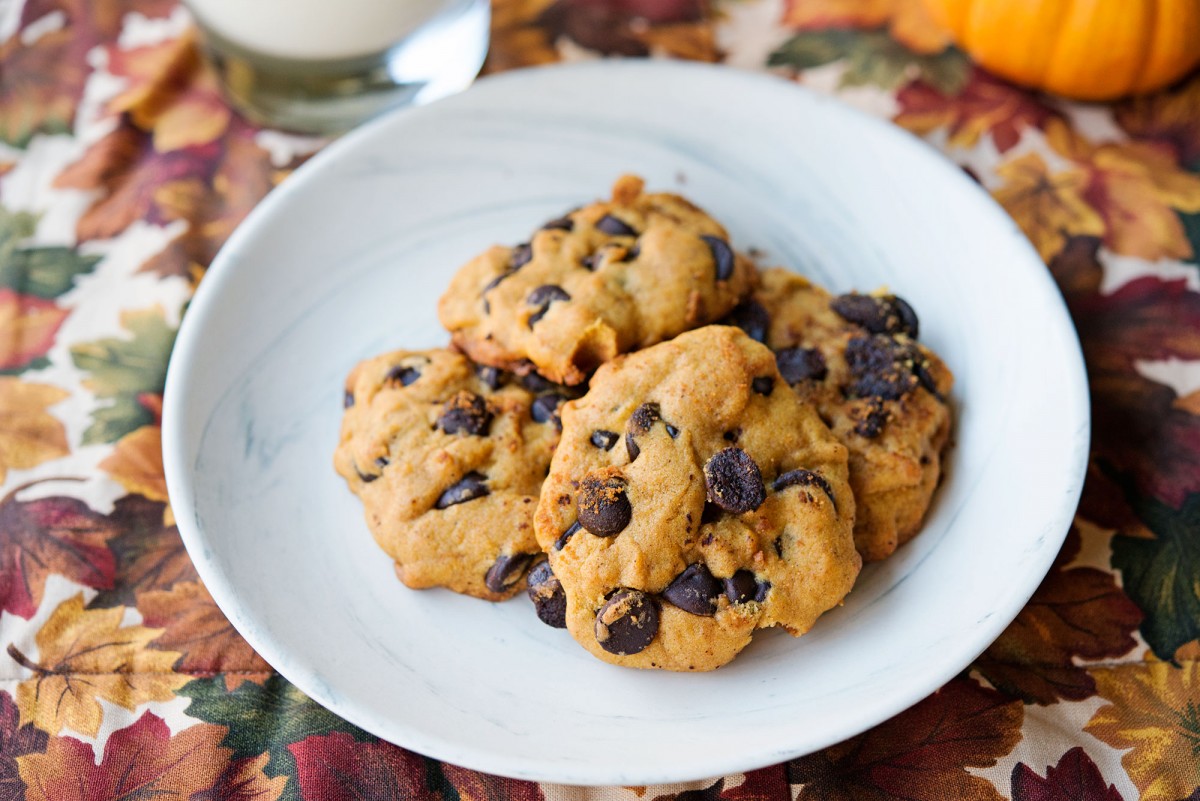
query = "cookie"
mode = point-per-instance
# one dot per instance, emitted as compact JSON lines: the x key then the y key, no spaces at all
{"x":857,"y":359}
{"x":606,"y":279}
{"x":448,"y":459}
{"x":692,"y":500}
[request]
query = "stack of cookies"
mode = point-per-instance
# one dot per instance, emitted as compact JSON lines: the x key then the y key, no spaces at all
{"x":665,"y":447}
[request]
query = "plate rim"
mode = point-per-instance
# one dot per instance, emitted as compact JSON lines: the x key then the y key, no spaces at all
{"x":189,"y":342}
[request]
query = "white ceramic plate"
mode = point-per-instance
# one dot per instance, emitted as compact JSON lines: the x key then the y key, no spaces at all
{"x":347,"y":259}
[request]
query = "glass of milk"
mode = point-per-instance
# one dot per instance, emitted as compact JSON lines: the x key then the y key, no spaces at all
{"x":321,"y":66}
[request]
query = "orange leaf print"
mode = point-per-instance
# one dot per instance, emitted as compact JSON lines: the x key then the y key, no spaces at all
{"x":245,"y":780}
{"x":29,"y":435}
{"x":1169,"y":118}
{"x":1048,"y":207}
{"x":194,"y":626}
{"x":85,"y":656}
{"x":141,"y":761}
{"x":28,"y":326}
{"x":128,"y":171}
{"x":907,"y":20}
{"x":172,"y":92}
{"x":1137,"y":187}
{"x":985,"y":105}
{"x":1154,"y":714}
{"x":136,"y":463}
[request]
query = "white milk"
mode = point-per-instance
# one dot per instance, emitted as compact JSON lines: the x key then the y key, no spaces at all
{"x":315,"y":29}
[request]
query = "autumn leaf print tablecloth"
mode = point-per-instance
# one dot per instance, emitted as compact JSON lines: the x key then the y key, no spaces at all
{"x":122,"y":171}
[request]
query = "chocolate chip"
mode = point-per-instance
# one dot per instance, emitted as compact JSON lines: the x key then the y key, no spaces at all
{"x":382,"y":462}
{"x":614,"y":227}
{"x":886,"y":314}
{"x":871,"y":418}
{"x":632,"y":253}
{"x":603,"y":505}
{"x":799,"y":364}
{"x":545,"y":407}
{"x":604,"y":439}
{"x":763,"y":385}
{"x":492,"y":377}
{"x":742,"y":586}
{"x":563,"y":538}
{"x":627,"y":622}
{"x":778,"y":543}
{"x":589,"y":262}
{"x":672,"y":431}
{"x":802,"y":478}
{"x":732,"y":435}
{"x":465,"y":413}
{"x":495,"y":282}
{"x":734,"y":481}
{"x":642,"y":419}
{"x":722,"y":256}
{"x":522,"y":254}
{"x":507,"y":571}
{"x":880,"y":367}
{"x":560,"y":224}
{"x":694,"y":590}
{"x":908,"y":317}
{"x":535,"y":383}
{"x":925,"y":378}
{"x":710,"y":514}
{"x":546,"y":592}
{"x":751,"y":317}
{"x":348,"y":399}
{"x":365,"y":478}
{"x":542,"y":297}
{"x":402,"y":375}
{"x":468,"y":488}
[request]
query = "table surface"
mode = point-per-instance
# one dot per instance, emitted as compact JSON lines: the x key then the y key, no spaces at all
{"x":122,"y":171}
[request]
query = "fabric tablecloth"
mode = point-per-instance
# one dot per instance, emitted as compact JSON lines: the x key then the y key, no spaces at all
{"x":122,"y":171}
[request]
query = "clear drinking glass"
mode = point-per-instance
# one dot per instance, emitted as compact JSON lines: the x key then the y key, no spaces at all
{"x":321,"y":66}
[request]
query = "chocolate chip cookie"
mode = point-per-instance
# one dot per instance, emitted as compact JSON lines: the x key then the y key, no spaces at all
{"x":448,"y":458}
{"x":693,"y":499}
{"x":609,"y":278}
{"x":856,"y":357}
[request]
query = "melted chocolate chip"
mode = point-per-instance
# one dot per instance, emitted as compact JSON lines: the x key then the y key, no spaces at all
{"x":722,"y":256}
{"x":535,"y":383}
{"x":465,"y":413}
{"x":763,"y":385}
{"x":546,"y":592}
{"x":542,"y":297}
{"x":365,"y":478}
{"x":871,"y":419}
{"x":694,"y":590}
{"x":545,"y":408}
{"x":402,"y":375}
{"x":710,"y":514}
{"x":802,"y":478}
{"x":742,"y":586}
{"x":507,"y":571}
{"x":614,"y":227}
{"x":468,"y":488}
{"x":734,"y":481}
{"x":799,"y":364}
{"x":604,"y":440}
{"x":563,"y":538}
{"x":492,"y":377}
{"x":642,"y":419}
{"x":880,"y":367}
{"x":559,"y":224}
{"x":751,"y":317}
{"x":348,"y":399}
{"x":603,"y":505}
{"x":522,"y":254}
{"x":627,"y":622}
{"x":886,"y":314}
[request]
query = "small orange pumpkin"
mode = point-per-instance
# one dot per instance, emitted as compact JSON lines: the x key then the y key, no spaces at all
{"x":1084,"y":49}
